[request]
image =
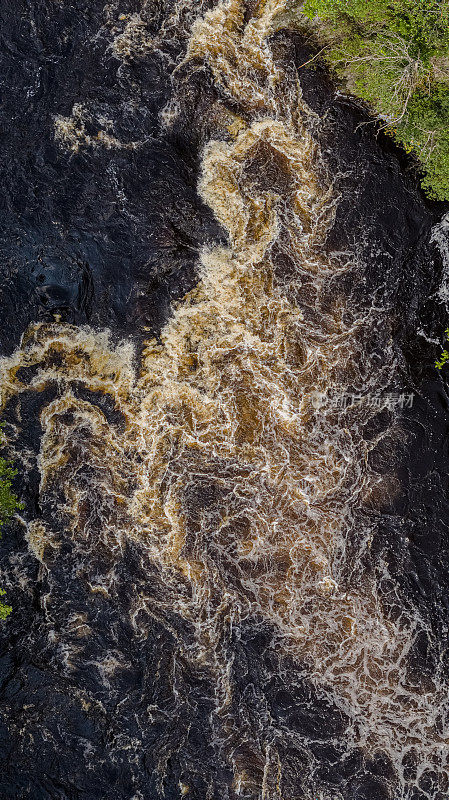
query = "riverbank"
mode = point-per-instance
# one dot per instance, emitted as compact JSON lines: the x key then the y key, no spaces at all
{"x":394,"y":56}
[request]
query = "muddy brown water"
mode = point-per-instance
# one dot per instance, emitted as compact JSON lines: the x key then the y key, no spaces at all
{"x":223,"y":294}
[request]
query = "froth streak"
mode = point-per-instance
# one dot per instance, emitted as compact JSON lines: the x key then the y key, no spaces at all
{"x":241,"y":489}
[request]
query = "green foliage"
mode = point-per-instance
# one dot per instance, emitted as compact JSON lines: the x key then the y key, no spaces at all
{"x":426,"y":129}
{"x":444,"y":355}
{"x":422,"y":23}
{"x":4,"y":609}
{"x":8,"y":505}
{"x":394,"y":54}
{"x":8,"y":500}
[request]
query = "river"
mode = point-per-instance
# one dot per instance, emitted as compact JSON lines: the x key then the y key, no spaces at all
{"x":223,"y":294}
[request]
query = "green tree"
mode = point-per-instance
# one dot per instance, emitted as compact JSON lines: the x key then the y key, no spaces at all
{"x":394,"y":54}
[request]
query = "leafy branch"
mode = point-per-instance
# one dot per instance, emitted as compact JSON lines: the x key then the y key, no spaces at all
{"x":9,"y":503}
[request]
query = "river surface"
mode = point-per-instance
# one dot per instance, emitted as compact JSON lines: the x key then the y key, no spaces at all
{"x":222,"y":297}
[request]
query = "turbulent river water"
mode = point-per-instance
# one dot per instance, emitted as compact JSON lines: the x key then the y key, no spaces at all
{"x":222,"y":298}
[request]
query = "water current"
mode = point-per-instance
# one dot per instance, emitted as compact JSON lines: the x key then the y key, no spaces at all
{"x":214,"y":384}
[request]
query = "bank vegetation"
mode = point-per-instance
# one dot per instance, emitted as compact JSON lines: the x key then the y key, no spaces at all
{"x":394,"y":54}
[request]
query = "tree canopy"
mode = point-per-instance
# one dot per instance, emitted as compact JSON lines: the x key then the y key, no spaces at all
{"x":394,"y":54}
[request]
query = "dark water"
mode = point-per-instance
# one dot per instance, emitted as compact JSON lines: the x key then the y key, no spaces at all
{"x":186,"y":624}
